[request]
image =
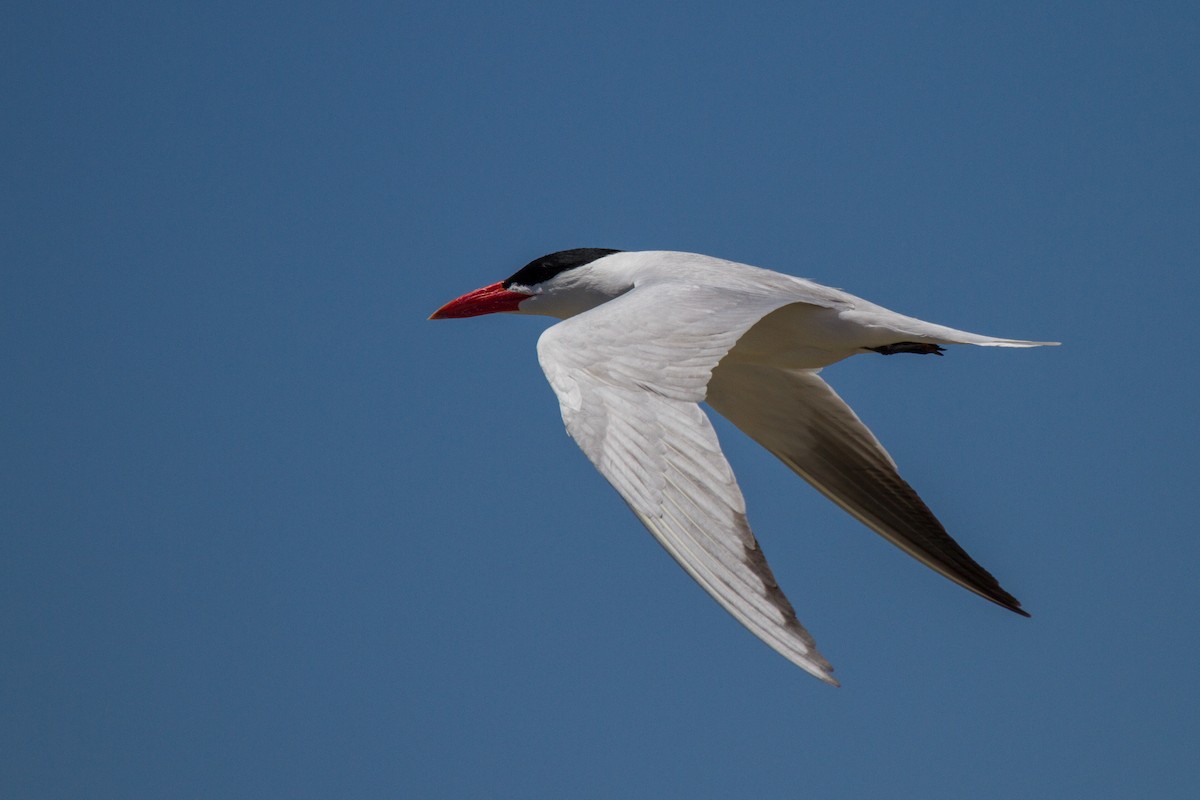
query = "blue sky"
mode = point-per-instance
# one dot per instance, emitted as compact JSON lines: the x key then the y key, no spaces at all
{"x":267,"y":532}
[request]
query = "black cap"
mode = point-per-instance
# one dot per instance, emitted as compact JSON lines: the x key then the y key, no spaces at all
{"x":544,"y":268}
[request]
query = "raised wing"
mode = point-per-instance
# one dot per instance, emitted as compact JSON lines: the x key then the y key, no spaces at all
{"x":798,"y":417}
{"x":629,"y":376}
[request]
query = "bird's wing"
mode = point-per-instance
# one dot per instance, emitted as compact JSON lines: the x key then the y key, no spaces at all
{"x":798,"y":417}
{"x":629,"y":376}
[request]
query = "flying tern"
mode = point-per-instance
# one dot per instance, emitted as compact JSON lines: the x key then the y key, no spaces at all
{"x":646,"y":337}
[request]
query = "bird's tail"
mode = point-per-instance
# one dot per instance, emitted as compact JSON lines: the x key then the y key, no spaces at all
{"x":917,"y":330}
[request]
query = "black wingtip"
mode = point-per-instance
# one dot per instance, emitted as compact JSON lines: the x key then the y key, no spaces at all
{"x":1005,"y":600}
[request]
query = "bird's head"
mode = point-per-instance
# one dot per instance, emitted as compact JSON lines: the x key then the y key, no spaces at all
{"x":561,"y":285}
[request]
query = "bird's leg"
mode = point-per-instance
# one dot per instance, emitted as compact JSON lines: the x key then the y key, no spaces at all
{"x":908,"y":347}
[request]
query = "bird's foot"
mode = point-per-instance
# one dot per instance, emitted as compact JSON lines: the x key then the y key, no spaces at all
{"x":909,"y":347}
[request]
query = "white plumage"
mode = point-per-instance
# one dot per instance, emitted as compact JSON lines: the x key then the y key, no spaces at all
{"x":647,"y":336}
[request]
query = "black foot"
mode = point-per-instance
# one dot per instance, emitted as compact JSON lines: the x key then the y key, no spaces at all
{"x":909,"y":347}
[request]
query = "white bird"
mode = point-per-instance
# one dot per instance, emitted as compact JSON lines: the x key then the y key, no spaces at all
{"x":647,"y":336}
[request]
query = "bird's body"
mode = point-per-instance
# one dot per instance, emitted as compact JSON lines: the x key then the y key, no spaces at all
{"x":647,"y":336}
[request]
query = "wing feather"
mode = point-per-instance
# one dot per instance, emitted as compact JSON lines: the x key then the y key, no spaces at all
{"x":629,"y":378}
{"x":798,"y":417}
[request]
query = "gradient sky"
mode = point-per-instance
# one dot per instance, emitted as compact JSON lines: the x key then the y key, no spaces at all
{"x":266,"y":532}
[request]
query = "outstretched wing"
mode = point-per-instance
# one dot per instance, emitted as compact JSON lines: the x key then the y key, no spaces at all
{"x":629,"y":376}
{"x":798,"y":417}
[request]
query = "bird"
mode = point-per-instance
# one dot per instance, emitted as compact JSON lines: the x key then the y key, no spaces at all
{"x":646,"y":337}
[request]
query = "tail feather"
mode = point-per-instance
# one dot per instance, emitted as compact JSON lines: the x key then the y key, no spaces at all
{"x":884,"y":323}
{"x":987,"y":341}
{"x":940,"y":334}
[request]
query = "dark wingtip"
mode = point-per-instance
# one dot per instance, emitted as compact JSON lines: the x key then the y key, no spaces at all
{"x":1006,"y":601}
